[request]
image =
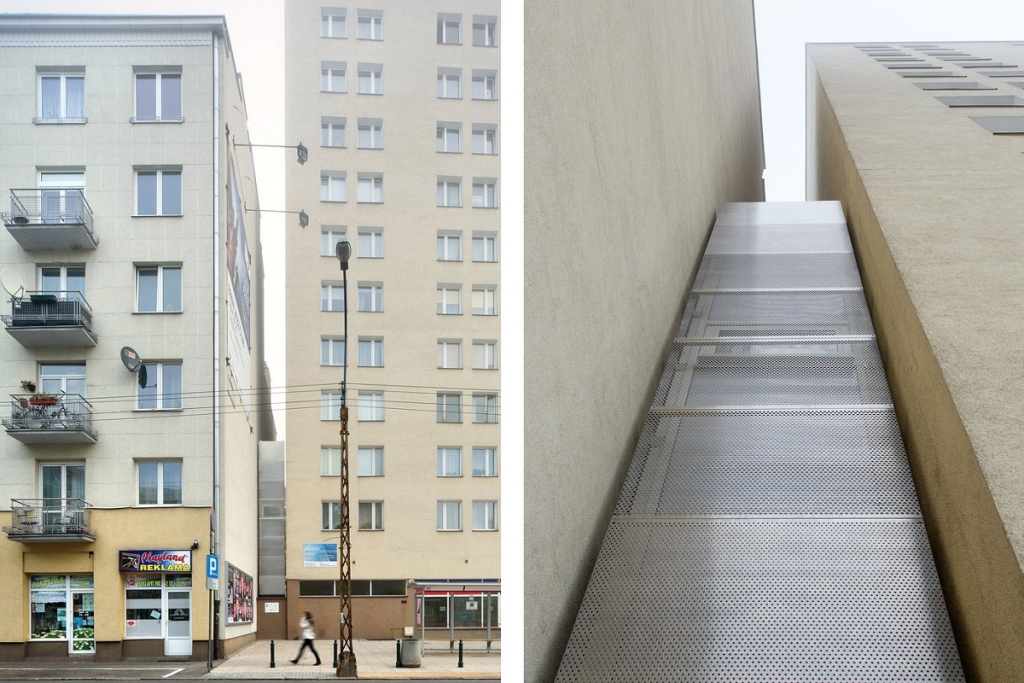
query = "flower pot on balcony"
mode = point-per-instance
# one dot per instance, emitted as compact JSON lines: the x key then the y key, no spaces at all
{"x":43,"y":400}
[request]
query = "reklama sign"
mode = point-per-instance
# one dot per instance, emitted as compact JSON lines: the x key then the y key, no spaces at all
{"x":134,"y":561}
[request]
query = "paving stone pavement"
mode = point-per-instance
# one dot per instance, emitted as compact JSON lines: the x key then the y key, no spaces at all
{"x":374,"y":659}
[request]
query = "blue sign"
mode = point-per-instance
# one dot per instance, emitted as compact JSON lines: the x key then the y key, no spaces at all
{"x":212,"y":567}
{"x":319,"y":555}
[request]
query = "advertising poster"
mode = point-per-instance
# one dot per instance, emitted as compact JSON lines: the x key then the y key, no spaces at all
{"x":240,"y":596}
{"x":319,"y":555}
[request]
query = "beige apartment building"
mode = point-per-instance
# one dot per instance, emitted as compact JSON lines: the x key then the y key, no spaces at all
{"x":132,"y":348}
{"x":398,"y":103}
{"x":922,"y":144}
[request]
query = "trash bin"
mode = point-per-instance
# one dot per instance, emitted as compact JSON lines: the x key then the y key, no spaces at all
{"x":411,"y":653}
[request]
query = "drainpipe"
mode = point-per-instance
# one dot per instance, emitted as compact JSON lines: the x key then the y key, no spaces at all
{"x":216,"y":335}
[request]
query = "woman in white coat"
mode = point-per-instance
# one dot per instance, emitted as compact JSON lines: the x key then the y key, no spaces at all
{"x":308,"y":635}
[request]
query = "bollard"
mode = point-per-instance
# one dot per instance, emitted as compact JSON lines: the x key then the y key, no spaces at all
{"x":460,"y":654}
{"x":398,"y":654}
{"x":272,"y":664}
{"x":335,"y":665}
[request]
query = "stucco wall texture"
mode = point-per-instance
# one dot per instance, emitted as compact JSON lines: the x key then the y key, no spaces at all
{"x":641,"y":119}
{"x":934,"y":206}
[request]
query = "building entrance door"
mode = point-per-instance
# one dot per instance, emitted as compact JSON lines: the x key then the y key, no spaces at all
{"x":179,"y":623}
{"x":81,"y":623}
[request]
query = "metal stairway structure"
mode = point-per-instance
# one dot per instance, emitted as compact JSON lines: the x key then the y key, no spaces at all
{"x":768,"y":528}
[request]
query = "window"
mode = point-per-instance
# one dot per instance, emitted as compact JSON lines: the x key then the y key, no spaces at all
{"x":449,"y":407}
{"x":485,"y":248}
{"x":332,"y":22}
{"x":332,"y":297}
{"x":371,"y":353}
{"x":371,"y":79}
{"x":330,"y":406}
{"x":371,"y":188}
{"x":449,"y":300}
{"x":483,"y":300}
{"x":332,"y":351}
{"x":485,"y":139}
{"x":484,"y":31}
{"x":483,"y":194}
{"x":158,"y":289}
{"x":371,"y":515}
{"x":371,"y":406}
{"x":485,"y":408}
{"x":371,"y":134}
{"x":330,"y":461}
{"x":66,"y":282}
{"x":485,"y":356}
{"x":485,"y":515}
{"x":449,"y":247}
{"x":62,"y":98}
{"x":449,"y":354}
{"x":449,"y":83}
{"x":449,"y":515}
{"x":449,"y":138}
{"x":157,"y":97}
{"x":484,"y":463}
{"x":330,"y":235}
{"x":449,"y":29}
{"x":55,"y":378}
{"x":332,"y":131}
{"x":332,"y":77}
{"x":163,"y":387}
{"x":483,"y":85}
{"x":449,"y":462}
{"x":371,"y":461}
{"x":370,"y":24}
{"x":371,"y":243}
{"x":62,"y":195}
{"x":332,"y":187}
{"x":330,"y":515}
{"x":158,"y":193}
{"x":449,"y":192}
{"x":371,"y":297}
{"x":159,"y":482}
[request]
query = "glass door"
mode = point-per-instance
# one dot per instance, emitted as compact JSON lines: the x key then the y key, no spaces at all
{"x":63,"y":486}
{"x":81,"y":624}
{"x":179,"y":623}
{"x":61,"y":196}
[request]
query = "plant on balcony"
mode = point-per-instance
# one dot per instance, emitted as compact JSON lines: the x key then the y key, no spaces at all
{"x":43,"y":399}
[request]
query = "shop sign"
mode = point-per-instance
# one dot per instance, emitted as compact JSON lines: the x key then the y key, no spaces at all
{"x":81,"y":581}
{"x":143,"y":581}
{"x":155,"y":560}
{"x":179,"y":582}
{"x":47,"y":581}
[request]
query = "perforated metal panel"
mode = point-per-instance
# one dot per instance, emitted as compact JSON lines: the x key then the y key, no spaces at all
{"x":738,"y":372}
{"x":708,"y":601}
{"x":731,"y":462}
{"x":776,"y":271}
{"x":768,"y":528}
{"x":790,"y":314}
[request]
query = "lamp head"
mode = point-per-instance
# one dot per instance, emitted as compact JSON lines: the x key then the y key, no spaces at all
{"x":344,"y":253}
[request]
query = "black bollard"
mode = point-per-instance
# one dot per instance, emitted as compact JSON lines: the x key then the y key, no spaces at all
{"x":398,"y":654}
{"x":460,"y":654}
{"x":335,"y":665}
{"x":272,"y":664}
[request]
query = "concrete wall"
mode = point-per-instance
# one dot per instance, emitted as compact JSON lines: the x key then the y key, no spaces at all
{"x":933,"y":204}
{"x":641,"y":119}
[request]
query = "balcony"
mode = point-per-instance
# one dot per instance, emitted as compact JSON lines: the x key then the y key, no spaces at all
{"x":50,"y":520}
{"x":50,"y":418}
{"x":51,"y":319}
{"x":44,"y":219}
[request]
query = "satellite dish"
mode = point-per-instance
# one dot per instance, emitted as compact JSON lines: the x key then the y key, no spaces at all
{"x":12,"y":283}
{"x":133,"y":361}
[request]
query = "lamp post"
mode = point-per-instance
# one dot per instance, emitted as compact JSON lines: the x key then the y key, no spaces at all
{"x":346,"y":658}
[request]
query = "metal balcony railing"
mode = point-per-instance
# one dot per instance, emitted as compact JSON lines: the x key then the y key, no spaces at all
{"x":50,"y":519}
{"x":40,"y":308}
{"x":49,"y":206}
{"x":50,"y":412}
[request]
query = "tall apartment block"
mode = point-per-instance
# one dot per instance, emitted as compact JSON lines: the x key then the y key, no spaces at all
{"x":402,"y":99}
{"x":132,"y":344}
{"x":922,"y":144}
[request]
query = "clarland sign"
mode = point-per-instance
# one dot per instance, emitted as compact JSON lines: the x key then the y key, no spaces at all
{"x":134,"y":561}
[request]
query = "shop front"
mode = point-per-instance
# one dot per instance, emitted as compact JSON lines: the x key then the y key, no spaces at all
{"x":62,"y":608}
{"x":158,"y":598}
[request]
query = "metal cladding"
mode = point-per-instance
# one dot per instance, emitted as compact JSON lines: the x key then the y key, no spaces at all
{"x":768,"y":528}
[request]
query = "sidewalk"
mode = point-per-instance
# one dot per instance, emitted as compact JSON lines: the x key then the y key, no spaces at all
{"x":374,"y":659}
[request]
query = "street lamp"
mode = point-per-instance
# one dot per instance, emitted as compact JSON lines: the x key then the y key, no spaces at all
{"x":347,"y":658}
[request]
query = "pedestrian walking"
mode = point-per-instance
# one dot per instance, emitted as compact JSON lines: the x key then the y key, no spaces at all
{"x":308,"y":627}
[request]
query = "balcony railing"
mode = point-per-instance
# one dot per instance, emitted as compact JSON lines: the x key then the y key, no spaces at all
{"x":47,"y":219}
{"x":51,"y":319}
{"x":42,"y":520}
{"x":50,"y":418}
